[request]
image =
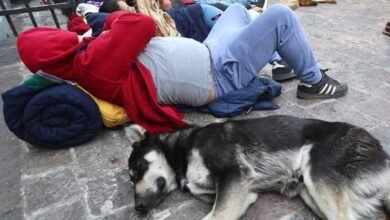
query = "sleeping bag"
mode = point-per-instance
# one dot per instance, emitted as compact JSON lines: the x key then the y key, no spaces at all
{"x":50,"y":115}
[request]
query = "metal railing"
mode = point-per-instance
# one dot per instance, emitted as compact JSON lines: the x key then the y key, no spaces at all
{"x":30,"y":9}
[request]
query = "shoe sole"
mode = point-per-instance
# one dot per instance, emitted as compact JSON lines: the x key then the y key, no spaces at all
{"x":283,"y":77}
{"x":304,"y":95}
{"x":386,"y":32}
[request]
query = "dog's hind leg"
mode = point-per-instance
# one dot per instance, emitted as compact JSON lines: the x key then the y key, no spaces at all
{"x":331,"y":201}
{"x":327,"y":202}
{"x":306,"y":197}
{"x":233,"y":197}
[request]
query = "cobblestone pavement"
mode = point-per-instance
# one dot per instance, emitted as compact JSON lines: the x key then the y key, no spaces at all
{"x":91,"y":182}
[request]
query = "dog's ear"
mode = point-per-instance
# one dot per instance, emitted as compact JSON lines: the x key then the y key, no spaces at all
{"x":135,"y":133}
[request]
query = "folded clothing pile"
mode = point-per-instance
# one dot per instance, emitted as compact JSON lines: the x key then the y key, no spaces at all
{"x":51,"y":115}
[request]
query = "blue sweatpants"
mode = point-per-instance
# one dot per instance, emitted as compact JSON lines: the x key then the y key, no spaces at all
{"x":240,"y":46}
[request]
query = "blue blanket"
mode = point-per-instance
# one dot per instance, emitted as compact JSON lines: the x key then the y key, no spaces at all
{"x":257,"y":95}
{"x":55,"y":117}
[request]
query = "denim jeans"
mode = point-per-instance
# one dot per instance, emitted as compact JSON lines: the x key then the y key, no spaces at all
{"x":241,"y":46}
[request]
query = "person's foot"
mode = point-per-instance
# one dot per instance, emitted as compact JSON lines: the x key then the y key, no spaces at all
{"x":327,"y":88}
{"x":281,"y":71}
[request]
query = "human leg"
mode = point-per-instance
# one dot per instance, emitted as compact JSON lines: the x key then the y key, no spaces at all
{"x":315,"y":84}
{"x":234,"y":18}
{"x":244,"y":50}
{"x":281,"y":71}
{"x":275,"y":57}
{"x":254,"y":43}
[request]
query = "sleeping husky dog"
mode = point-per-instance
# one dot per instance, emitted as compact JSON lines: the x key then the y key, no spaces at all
{"x":339,"y":170}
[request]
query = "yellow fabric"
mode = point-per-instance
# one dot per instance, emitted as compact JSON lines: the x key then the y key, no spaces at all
{"x":112,"y":115}
{"x":165,"y":24}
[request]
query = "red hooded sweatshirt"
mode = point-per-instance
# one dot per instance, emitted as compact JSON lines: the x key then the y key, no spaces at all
{"x":108,"y":67}
{"x":76,"y":24}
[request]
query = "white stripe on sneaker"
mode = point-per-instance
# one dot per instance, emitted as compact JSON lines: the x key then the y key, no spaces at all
{"x":329,"y":88}
{"x":323,"y":89}
{"x":334,"y":90}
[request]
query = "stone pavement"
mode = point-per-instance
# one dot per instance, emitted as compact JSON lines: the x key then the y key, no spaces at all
{"x":91,"y":182}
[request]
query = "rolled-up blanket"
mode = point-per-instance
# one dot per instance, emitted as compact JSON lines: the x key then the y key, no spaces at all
{"x":54,"y":117}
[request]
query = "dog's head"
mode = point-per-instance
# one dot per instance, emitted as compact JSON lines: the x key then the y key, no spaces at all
{"x":150,"y":173}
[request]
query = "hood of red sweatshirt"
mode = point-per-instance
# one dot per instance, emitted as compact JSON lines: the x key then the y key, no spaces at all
{"x":48,"y":49}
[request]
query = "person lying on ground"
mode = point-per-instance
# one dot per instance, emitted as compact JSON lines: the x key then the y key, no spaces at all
{"x":193,"y":21}
{"x":175,"y":70}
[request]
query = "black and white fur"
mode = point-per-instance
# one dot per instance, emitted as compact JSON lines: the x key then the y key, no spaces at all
{"x":339,"y":170}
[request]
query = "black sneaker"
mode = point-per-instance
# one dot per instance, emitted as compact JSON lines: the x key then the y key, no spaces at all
{"x":327,"y":88}
{"x":281,"y":71}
